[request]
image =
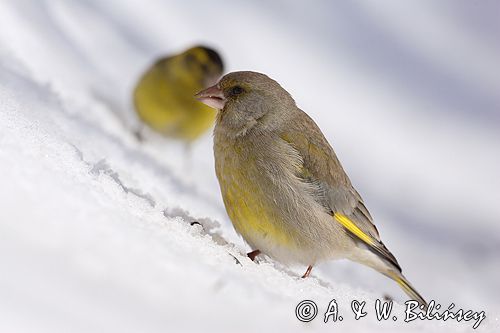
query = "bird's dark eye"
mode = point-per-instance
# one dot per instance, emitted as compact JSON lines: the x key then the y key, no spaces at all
{"x":204,"y":68}
{"x":236,"y":90}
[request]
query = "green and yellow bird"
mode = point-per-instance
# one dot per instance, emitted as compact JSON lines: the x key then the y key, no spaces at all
{"x":283,"y":186}
{"x":163,"y":97}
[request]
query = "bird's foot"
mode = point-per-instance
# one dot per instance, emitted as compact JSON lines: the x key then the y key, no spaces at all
{"x":139,"y":135}
{"x":308,"y":272}
{"x":253,"y":254}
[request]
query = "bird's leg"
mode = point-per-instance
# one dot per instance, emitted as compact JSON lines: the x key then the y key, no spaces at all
{"x":139,"y":135}
{"x":253,"y":254}
{"x":187,"y":163}
{"x":308,"y":272}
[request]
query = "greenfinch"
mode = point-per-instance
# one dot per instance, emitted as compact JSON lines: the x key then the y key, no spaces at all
{"x":163,"y":96}
{"x":283,"y":187}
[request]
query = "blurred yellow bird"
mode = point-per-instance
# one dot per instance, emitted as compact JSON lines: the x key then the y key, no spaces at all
{"x":163,"y":97}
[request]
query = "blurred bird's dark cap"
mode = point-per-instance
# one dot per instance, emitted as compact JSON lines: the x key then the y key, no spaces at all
{"x":214,"y":56}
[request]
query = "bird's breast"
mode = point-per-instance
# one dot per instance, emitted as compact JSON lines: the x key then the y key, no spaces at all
{"x":260,"y":192}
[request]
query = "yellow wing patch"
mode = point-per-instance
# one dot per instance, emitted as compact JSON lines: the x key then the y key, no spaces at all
{"x":349,"y":225}
{"x":373,"y":244}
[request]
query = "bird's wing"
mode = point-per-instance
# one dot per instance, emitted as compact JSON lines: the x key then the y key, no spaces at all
{"x":335,"y":192}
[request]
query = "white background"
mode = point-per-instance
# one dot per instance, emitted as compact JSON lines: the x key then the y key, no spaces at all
{"x":95,"y":231}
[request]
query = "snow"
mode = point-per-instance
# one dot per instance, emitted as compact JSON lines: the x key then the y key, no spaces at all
{"x":95,"y":228}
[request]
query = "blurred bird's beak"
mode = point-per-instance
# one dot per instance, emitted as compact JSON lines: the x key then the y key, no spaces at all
{"x":212,"y":97}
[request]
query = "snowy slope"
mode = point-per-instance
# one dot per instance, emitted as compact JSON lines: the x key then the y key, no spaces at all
{"x":95,"y":228}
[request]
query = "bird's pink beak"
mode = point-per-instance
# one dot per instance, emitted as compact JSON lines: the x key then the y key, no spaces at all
{"x":212,"y":97}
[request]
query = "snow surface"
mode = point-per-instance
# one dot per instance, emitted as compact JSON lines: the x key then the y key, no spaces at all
{"x":95,"y":228}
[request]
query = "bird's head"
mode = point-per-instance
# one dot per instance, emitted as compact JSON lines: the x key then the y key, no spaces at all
{"x":201,"y":62}
{"x":248,"y":100}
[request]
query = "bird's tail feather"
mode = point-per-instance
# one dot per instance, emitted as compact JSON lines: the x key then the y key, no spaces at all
{"x":407,"y":287}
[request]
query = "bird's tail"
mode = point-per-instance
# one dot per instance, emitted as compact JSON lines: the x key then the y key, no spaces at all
{"x":406,"y":286}
{"x":382,"y":260}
